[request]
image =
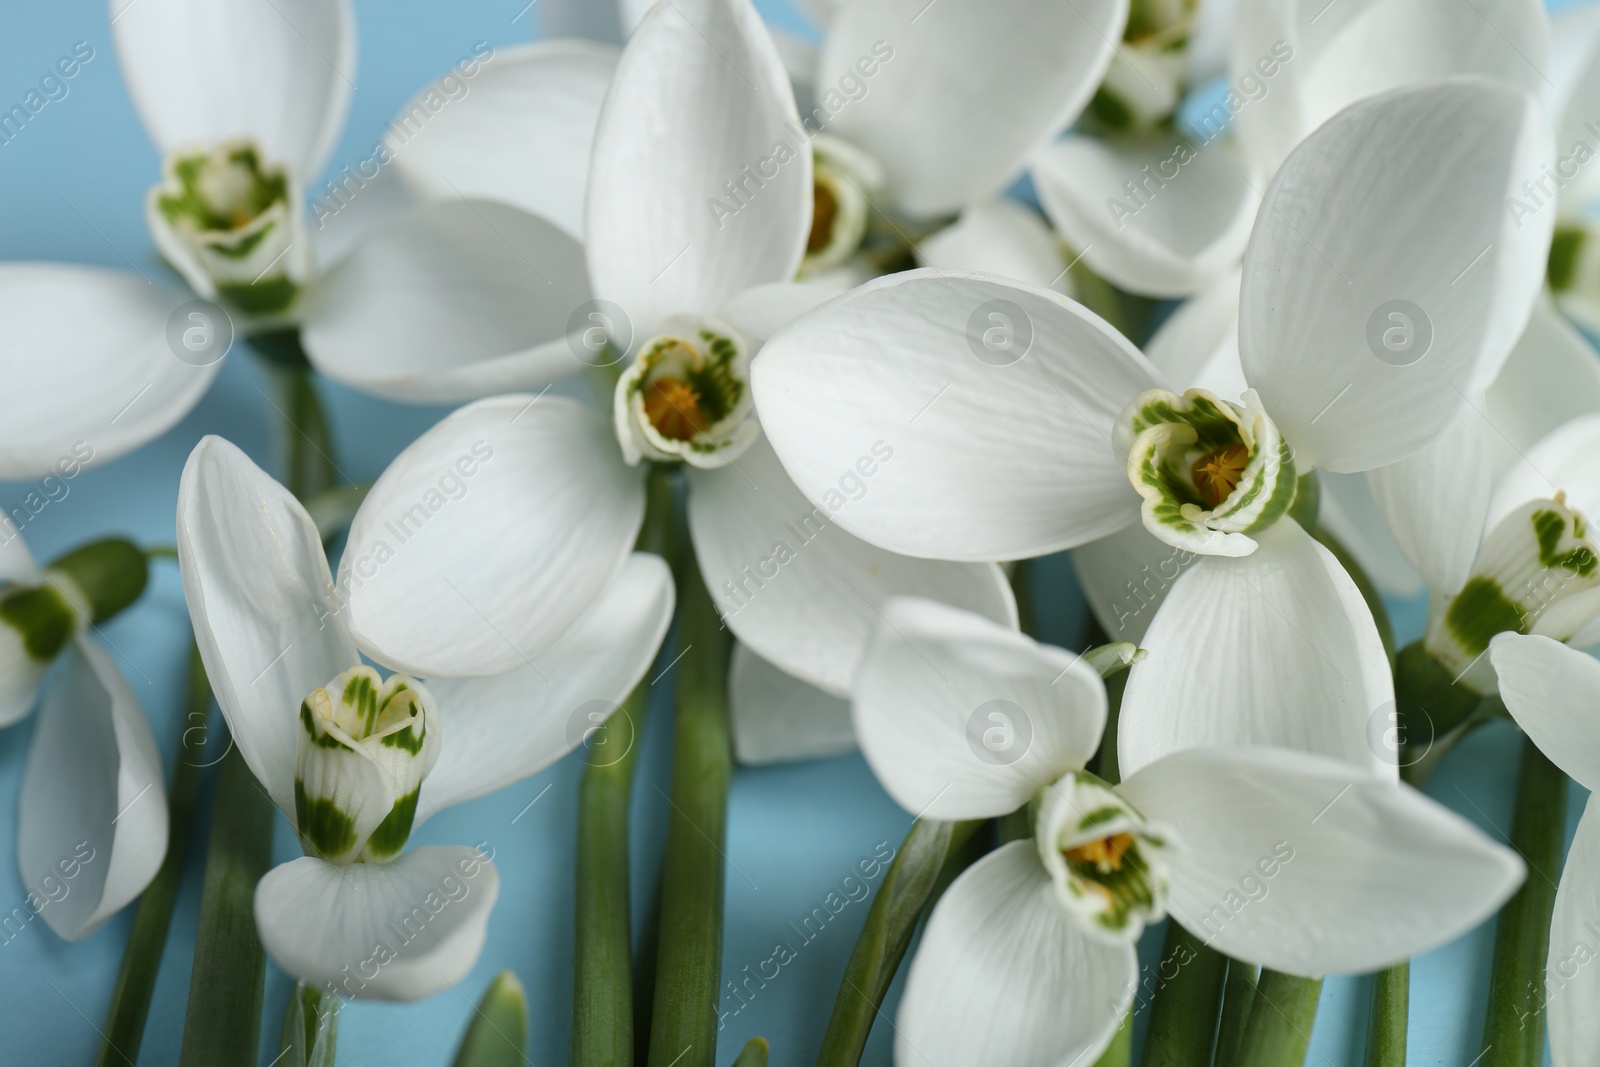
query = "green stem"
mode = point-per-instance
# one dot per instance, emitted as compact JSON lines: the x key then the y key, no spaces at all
{"x":1022,"y":590}
{"x":223,"y":1024}
{"x":310,"y":1035}
{"x":1281,"y":1019}
{"x":309,"y":468}
{"x":1120,"y":1052}
{"x":497,"y":1036}
{"x":141,"y":959}
{"x":754,"y":1053}
{"x":1183,"y":1018}
{"x":1105,"y":762}
{"x":688,"y":977}
{"x":1386,"y":1025}
{"x":919,"y":870}
{"x":1017,"y":826}
{"x":1238,"y":996}
{"x":1513,"y":1030}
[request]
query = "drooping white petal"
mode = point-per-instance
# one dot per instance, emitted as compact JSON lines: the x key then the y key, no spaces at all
{"x":777,"y":718}
{"x":97,"y":390}
{"x":1125,"y":577}
{"x":1551,"y":377}
{"x":1348,"y":511}
{"x":1570,"y":990}
{"x":1274,"y":648}
{"x":1000,"y":237}
{"x":1309,"y":866}
{"x":382,"y":931}
{"x":92,"y":814}
{"x":21,"y":676}
{"x":489,"y":536}
{"x":1552,"y":691}
{"x":961,"y":718}
{"x":1434,"y":502}
{"x":450,"y":301}
{"x":952,"y":98}
{"x":700,"y":107}
{"x":519,"y":133}
{"x":16,"y":562}
{"x":1005,"y":977}
{"x":262,"y":601}
{"x":796,"y":587}
{"x":501,"y":728}
{"x":1564,"y":462}
{"x":1187,"y":225}
{"x":991,"y":404}
{"x":278,"y":71}
{"x":1198,"y":346}
{"x":1385,"y":281}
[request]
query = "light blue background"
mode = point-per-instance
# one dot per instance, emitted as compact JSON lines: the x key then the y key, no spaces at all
{"x":72,"y":185}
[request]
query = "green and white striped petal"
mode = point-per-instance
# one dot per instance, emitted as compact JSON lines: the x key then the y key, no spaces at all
{"x":1105,"y":860}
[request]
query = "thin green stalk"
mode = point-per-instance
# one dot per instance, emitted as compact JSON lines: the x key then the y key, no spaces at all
{"x":141,"y":959}
{"x":1281,"y":1018}
{"x":1120,"y":1052}
{"x":1513,"y":1029}
{"x":309,"y":468}
{"x":1022,"y":590}
{"x":919,"y":871}
{"x":1238,"y":996}
{"x":223,"y":1024}
{"x":1183,"y":1017}
{"x":688,"y":976}
{"x":1105,"y":762}
{"x":1017,"y":826}
{"x":1387,"y":1022}
{"x":310,"y":1035}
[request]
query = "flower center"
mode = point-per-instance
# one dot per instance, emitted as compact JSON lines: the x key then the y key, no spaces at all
{"x":1105,"y":860}
{"x":824,"y":209}
{"x":1103,"y":854}
{"x":673,"y":409}
{"x":1216,"y":474}
{"x":687,"y":396}
{"x":843,"y":177}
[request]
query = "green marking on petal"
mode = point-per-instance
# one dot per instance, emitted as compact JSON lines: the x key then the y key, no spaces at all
{"x":1480,"y":611}
{"x":43,"y":618}
{"x":1564,"y":249}
{"x":326,"y":828}
{"x":391,"y":835}
{"x":1550,"y":527}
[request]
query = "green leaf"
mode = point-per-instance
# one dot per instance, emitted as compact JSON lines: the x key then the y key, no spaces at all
{"x":497,"y":1036}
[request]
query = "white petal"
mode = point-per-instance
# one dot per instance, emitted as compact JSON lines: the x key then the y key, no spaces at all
{"x":1552,"y":691}
{"x":1551,"y":377}
{"x":92,"y":814}
{"x":998,"y":457}
{"x":1001,"y":237}
{"x":777,"y":718}
{"x":1434,"y":502}
{"x":797,"y":588}
{"x":1187,"y":226}
{"x":700,"y":99}
{"x":1198,"y":346}
{"x":278,"y":71}
{"x":384,"y":931}
{"x":1309,"y":866}
{"x":521,"y":132}
{"x":502,"y":728}
{"x":485,"y":540}
{"x":99,"y":389}
{"x":1125,"y":577}
{"x":1006,"y":978}
{"x":21,"y":676}
{"x":16,"y":562}
{"x":961,"y":718}
{"x":450,"y":301}
{"x":1564,"y":461}
{"x":1570,"y":983}
{"x":763,"y":310}
{"x":1274,"y":648}
{"x":1394,"y":208}
{"x":262,"y":602}
{"x":1348,"y":511}
{"x":959,"y":94}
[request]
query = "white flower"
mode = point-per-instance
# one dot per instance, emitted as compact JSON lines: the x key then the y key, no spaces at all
{"x":354,"y":757}
{"x":1008,"y":449}
{"x":1293,"y":861}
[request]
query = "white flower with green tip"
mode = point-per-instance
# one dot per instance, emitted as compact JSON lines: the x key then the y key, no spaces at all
{"x":1292,"y":861}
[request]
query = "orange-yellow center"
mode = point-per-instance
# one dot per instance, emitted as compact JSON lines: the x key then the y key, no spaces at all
{"x":673,"y":409}
{"x":1216,"y":474}
{"x":825,"y":207}
{"x":1104,"y":852}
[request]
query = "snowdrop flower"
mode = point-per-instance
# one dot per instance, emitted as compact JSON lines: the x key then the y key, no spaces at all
{"x":1022,"y":418}
{"x":92,"y":813}
{"x":698,"y":95}
{"x":1293,"y":861}
{"x":356,"y":757}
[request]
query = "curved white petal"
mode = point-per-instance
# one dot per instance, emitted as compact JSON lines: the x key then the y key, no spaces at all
{"x":1551,"y":377}
{"x":1434,"y":502}
{"x":92,"y":814}
{"x":1552,"y":691}
{"x":16,"y":562}
{"x":990,"y":403}
{"x":777,"y":718}
{"x":1348,"y":511}
{"x":278,"y":71}
{"x":763,"y":310}
{"x":101,"y":388}
{"x":1563,"y":461}
{"x":20,"y":674}
{"x":520,"y":132}
{"x":450,"y":301}
{"x":1198,"y":346}
{"x":958,"y":95}
{"x":1186,"y":225}
{"x":1000,"y":237}
{"x":1125,"y":577}
{"x":798,"y":589}
{"x":699,"y":108}
{"x":485,"y":540}
{"x":1386,"y":281}
{"x":961,"y":718}
{"x":1273,"y":648}
{"x":1006,"y":978}
{"x":502,"y":728}
{"x":1571,"y":991}
{"x":1309,"y":866}
{"x":262,"y":601}
{"x":382,"y":931}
